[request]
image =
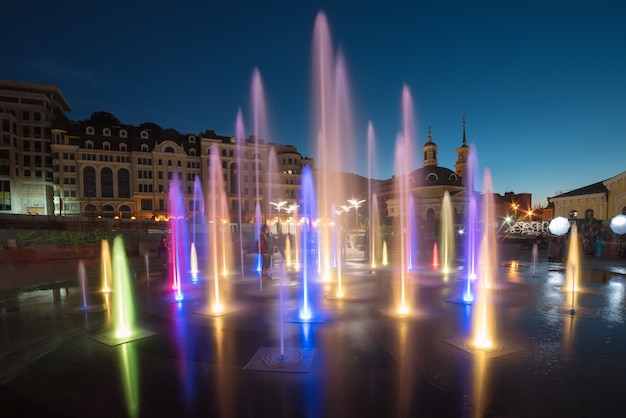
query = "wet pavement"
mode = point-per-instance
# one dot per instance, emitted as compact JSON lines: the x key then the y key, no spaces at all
{"x":364,"y":361}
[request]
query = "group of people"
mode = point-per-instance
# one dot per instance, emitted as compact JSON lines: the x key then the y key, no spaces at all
{"x":265,"y":247}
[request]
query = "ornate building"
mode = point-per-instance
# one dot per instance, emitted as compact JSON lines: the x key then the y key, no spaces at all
{"x":105,"y":168}
{"x":429,"y":183}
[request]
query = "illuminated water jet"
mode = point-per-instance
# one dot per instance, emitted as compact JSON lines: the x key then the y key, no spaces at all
{"x":105,"y":266}
{"x":122,"y":304}
{"x":483,"y":338}
{"x":447,"y":234}
{"x":435,"y":256}
{"x":572,"y":272}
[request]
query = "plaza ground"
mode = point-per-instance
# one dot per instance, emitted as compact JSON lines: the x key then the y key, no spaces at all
{"x":360,"y":360}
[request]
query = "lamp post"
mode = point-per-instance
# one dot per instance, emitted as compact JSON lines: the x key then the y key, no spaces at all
{"x":345,"y":209}
{"x":278,"y":207}
{"x":514,"y":206}
{"x":356,"y":204}
{"x":291,"y":209}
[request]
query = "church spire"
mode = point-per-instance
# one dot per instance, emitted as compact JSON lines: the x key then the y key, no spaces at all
{"x":464,"y":141}
{"x":430,"y":151}
{"x":460,"y":166}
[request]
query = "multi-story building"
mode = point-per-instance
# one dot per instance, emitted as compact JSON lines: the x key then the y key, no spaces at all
{"x":105,"y":168}
{"x":28,"y":111}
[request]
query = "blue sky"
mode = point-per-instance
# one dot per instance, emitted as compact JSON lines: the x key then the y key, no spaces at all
{"x":541,"y":83}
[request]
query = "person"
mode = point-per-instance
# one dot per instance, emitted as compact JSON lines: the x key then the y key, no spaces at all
{"x":266,"y":246}
{"x":162,"y":250}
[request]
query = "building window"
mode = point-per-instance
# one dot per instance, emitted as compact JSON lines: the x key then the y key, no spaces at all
{"x":106,"y":132}
{"x":90,"y":130}
{"x":144,"y":147}
{"x":123,"y":183}
{"x":146,"y":204}
{"x":144,"y":134}
{"x":106,"y":182}
{"x":589,"y":214}
{"x":5,"y":195}
{"x":123,"y":133}
{"x":432,"y":178}
{"x":89,"y":182}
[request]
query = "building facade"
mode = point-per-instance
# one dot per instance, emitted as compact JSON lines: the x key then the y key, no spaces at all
{"x":106,"y":169}
{"x":428,"y":184}
{"x":28,"y":112}
{"x":599,"y":201}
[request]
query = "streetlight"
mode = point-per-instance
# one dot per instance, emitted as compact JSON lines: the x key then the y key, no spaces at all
{"x":278,"y":207}
{"x":356,"y":204}
{"x":514,"y":206}
{"x":291,"y":209}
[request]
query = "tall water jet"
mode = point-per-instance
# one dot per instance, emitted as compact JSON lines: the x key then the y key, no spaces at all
{"x":470,"y":248}
{"x":447,"y":234}
{"x":146,"y":263}
{"x":308,"y":211}
{"x":105,"y":266}
{"x":178,"y":239}
{"x":402,"y":235}
{"x":375,"y":230}
{"x":471,"y":224}
{"x":122,"y":307}
{"x":535,"y":254}
{"x":483,"y":340}
{"x":82,"y":279}
{"x":374,"y":214}
{"x":219,"y":235}
{"x":484,"y":321}
{"x":123,"y":304}
{"x":403,"y":164}
{"x":193,"y":263}
{"x":332,"y":126}
{"x":240,"y":138}
{"x":198,"y":217}
{"x":338,"y":247}
{"x":385,"y":255}
{"x":260,"y":130}
{"x":572,"y":271}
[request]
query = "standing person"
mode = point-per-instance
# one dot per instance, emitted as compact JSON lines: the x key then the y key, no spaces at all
{"x":162,"y":250}
{"x":265,"y":242}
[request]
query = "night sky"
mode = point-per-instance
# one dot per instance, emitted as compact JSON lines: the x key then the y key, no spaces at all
{"x":542,"y":83}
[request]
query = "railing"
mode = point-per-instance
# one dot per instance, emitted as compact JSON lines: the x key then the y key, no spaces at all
{"x":76,"y":223}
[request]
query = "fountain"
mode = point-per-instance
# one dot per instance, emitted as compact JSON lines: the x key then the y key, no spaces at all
{"x":84,"y":289}
{"x":405,"y":225}
{"x":219,"y":242}
{"x":483,"y":340}
{"x":435,"y":262}
{"x":332,"y":125}
{"x":198,"y":214}
{"x":105,"y":266}
{"x":447,"y":235}
{"x":310,"y":249}
{"x":572,"y":271}
{"x":178,"y":239}
{"x":374,"y":212}
{"x":122,"y":304}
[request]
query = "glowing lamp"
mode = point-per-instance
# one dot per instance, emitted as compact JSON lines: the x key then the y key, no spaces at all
{"x":559,"y":225}
{"x":618,"y":224}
